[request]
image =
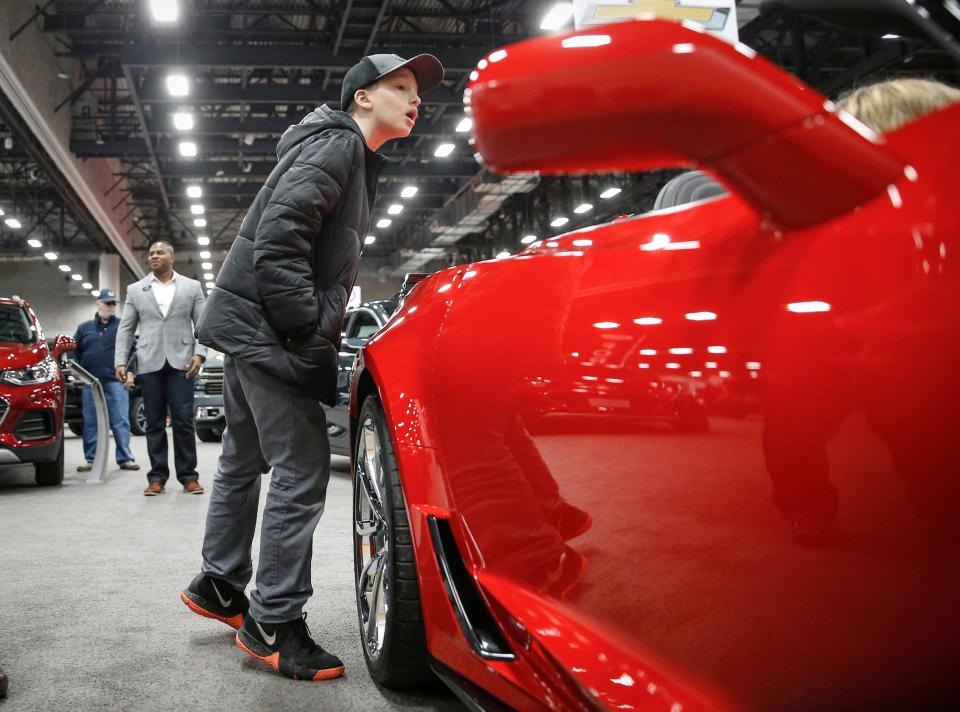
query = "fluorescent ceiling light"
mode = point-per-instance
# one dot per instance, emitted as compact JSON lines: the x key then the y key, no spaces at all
{"x":609,"y":193}
{"x":205,"y":255}
{"x":188,"y":149}
{"x":87,"y":285}
{"x":183,"y":121}
{"x":52,"y":256}
{"x":200,"y":222}
{"x":370,"y":239}
{"x":583,"y":208}
{"x":395,"y":209}
{"x":203,"y":241}
{"x":64,"y":268}
{"x":194,"y":191}
{"x":208,"y":275}
{"x":559,"y":222}
{"x":211,"y":285}
{"x":206,"y":265}
{"x":13,"y":222}
{"x":165,"y":10}
{"x":444,"y":150}
{"x":33,"y":242}
{"x":527,"y":239}
{"x":178,"y":84}
{"x":384,"y":222}
{"x":465,"y":124}
{"x":557,"y":16}
{"x":196,"y":209}
{"x":94,"y":293}
{"x":409,"y":191}
{"x":76,"y":277}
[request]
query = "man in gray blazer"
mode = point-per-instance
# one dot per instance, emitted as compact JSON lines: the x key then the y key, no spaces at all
{"x":165,"y":305}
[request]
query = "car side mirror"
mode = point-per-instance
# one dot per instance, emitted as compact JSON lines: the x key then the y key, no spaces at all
{"x":63,"y":344}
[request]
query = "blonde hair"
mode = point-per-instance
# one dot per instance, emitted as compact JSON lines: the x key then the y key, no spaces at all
{"x":891,"y":104}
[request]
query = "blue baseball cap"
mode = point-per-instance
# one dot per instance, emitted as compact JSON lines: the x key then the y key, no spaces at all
{"x":107,"y":296}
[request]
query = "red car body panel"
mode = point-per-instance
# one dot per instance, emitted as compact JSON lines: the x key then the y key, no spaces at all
{"x":22,"y":399}
{"x":636,"y":558}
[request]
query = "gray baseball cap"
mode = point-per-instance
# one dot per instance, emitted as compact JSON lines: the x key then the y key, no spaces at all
{"x":425,"y":67}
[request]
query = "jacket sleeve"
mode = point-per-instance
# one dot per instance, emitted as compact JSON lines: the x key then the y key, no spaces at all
{"x":290,"y":226}
{"x":128,"y":325}
{"x":77,"y":353}
{"x":198,"y":301}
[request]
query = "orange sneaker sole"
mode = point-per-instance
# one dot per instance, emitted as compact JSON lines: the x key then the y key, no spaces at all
{"x":274,"y":662}
{"x":235,"y":622}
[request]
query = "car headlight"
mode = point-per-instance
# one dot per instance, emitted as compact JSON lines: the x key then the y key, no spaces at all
{"x":42,"y":372}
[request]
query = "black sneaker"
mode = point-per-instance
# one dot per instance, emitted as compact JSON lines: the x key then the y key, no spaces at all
{"x":289,"y":649}
{"x":215,"y":598}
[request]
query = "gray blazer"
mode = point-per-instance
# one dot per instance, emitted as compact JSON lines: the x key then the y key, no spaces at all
{"x":162,"y":340}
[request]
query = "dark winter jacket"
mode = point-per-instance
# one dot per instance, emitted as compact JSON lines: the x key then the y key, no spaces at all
{"x":96,"y":342}
{"x":282,"y":292}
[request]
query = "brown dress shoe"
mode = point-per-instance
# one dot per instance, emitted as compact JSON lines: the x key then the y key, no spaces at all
{"x":193,"y":487}
{"x":153,"y":489}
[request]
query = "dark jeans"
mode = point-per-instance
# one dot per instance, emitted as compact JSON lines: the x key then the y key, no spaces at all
{"x":169,"y":389}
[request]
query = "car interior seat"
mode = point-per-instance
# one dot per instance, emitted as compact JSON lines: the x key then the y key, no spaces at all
{"x":687,"y":188}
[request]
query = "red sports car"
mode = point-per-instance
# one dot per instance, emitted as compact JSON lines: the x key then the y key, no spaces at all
{"x":32,"y":393}
{"x":799,"y":554}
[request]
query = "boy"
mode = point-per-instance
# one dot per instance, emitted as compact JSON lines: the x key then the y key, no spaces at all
{"x":277,"y":314}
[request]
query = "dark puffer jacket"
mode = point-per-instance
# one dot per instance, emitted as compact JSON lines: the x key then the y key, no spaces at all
{"x":282,"y":291}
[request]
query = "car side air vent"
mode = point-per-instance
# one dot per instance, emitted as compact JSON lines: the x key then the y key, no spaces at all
{"x":475,"y":620}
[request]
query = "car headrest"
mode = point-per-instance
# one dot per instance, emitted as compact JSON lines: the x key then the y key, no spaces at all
{"x":687,"y":188}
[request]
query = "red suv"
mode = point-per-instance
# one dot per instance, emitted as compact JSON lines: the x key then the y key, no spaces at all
{"x":31,"y":393}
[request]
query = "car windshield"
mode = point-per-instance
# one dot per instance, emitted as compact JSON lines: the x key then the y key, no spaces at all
{"x":15,"y":325}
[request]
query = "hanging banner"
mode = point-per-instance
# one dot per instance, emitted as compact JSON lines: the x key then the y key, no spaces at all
{"x":718,"y":17}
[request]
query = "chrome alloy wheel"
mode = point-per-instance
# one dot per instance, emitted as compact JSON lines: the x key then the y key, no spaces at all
{"x":371,"y":531}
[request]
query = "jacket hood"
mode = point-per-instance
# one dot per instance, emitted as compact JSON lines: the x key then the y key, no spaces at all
{"x":318,"y":120}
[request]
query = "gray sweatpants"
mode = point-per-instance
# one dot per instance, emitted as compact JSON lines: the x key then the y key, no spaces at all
{"x":269,"y":425}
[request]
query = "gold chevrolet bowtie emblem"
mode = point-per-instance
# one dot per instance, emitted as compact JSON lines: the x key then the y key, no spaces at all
{"x":667,"y":9}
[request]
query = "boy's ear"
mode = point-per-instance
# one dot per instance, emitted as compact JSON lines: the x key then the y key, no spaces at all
{"x":362,"y":98}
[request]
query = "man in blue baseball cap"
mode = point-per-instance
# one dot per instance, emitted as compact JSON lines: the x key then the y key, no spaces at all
{"x":96,"y":341}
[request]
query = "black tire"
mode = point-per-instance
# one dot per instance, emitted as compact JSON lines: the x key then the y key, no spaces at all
{"x":138,"y":417}
{"x":402,"y":662}
{"x":76,"y":428}
{"x":208,"y":434}
{"x":50,"y":474}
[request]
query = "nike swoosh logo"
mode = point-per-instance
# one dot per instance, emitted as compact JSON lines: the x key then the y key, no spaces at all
{"x":270,"y":639}
{"x":223,"y":602}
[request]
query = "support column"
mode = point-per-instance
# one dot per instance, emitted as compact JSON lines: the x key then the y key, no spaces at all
{"x":109,"y":272}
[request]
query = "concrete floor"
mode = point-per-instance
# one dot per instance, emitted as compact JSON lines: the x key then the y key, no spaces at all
{"x":91,"y":619}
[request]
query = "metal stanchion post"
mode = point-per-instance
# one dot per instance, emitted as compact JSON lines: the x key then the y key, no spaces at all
{"x":99,"y":468}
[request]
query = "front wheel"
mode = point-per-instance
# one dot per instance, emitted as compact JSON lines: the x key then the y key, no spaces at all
{"x":208,"y":434}
{"x":385,"y":572}
{"x":138,"y":416}
{"x":50,"y":474}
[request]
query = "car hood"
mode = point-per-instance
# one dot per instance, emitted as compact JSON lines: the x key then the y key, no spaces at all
{"x":14,"y":355}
